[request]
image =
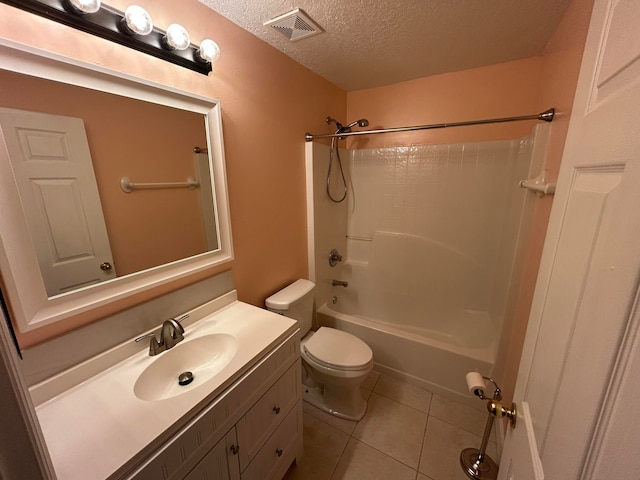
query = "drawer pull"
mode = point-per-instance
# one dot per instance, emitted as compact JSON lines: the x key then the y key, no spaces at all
{"x":279,"y":452}
{"x":276,"y":410}
{"x":235,"y":449}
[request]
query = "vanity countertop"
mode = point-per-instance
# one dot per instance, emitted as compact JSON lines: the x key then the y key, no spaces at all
{"x":95,"y":427}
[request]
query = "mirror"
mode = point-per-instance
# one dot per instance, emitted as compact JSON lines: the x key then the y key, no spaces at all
{"x":70,"y":148}
{"x":110,"y":129}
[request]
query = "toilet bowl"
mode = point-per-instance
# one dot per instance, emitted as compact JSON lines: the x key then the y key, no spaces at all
{"x":335,"y":363}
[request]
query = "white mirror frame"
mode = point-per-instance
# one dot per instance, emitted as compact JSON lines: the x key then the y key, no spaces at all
{"x":29,"y":304}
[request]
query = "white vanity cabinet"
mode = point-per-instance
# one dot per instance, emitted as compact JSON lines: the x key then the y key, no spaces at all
{"x":253,"y":430}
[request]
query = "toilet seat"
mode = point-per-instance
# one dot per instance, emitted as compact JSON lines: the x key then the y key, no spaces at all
{"x":338,"y":350}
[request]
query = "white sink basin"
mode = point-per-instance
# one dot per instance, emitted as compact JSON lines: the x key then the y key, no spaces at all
{"x":203,"y":357}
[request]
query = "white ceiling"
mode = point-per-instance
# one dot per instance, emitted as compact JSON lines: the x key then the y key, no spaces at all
{"x":372,"y":43}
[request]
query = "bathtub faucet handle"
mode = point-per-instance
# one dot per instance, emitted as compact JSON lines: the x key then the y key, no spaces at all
{"x":334,"y":257}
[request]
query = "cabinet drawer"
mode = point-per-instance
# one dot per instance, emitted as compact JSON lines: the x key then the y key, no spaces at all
{"x":267,"y":413}
{"x":279,"y":451}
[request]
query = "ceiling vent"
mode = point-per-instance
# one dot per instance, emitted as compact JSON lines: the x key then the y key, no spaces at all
{"x":295,"y":25}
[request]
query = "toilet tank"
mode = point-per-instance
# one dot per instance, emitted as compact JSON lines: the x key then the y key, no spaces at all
{"x":295,"y":301}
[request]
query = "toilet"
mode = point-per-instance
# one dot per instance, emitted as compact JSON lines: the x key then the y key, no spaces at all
{"x":335,"y":363}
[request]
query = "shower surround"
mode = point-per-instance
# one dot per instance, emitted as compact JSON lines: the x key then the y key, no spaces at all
{"x":429,"y":236}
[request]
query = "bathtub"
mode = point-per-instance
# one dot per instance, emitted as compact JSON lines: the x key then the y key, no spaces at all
{"x":429,"y":238}
{"x":434,"y":359}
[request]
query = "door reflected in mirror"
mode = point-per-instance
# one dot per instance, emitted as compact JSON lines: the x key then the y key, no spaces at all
{"x":69,"y":148}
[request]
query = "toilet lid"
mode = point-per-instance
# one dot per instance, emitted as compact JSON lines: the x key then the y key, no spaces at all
{"x":337,"y":349}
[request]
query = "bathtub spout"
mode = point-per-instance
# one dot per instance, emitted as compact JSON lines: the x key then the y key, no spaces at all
{"x":339,"y":283}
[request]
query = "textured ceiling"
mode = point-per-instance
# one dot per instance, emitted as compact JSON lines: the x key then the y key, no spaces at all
{"x":372,"y":43}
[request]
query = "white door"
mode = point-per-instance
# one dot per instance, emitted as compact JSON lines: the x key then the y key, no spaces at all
{"x":54,"y":173}
{"x":578,"y":383}
{"x":24,"y":453}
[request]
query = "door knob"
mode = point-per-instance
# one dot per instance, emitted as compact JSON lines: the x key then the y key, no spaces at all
{"x":497,"y":409}
{"x":106,"y":266}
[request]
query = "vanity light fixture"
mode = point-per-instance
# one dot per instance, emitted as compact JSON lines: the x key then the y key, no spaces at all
{"x":85,"y":6}
{"x":132,"y":28}
{"x":209,"y":51}
{"x":176,"y":38}
{"x":137,"y":21}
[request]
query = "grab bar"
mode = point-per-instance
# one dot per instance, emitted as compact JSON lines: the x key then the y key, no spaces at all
{"x":355,"y":237}
{"x":128,"y":186}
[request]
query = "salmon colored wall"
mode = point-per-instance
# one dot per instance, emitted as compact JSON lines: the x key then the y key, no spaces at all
{"x":268,"y":103}
{"x":560,"y":68}
{"x":143,"y":141}
{"x":502,"y":90}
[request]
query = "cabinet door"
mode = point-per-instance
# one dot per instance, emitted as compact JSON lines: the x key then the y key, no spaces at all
{"x":221,"y":463}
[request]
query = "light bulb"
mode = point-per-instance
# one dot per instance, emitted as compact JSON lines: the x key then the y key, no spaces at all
{"x":177,"y":37}
{"x":208,"y":52}
{"x":85,"y":6}
{"x":137,"y":20}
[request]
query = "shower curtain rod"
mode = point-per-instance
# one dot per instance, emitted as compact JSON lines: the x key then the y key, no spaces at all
{"x":546,"y":116}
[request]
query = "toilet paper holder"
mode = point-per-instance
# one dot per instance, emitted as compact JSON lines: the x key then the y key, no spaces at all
{"x":494,"y":405}
{"x":475,"y":462}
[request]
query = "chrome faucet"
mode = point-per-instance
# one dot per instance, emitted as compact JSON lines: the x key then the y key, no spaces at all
{"x":339,"y":283}
{"x":171,"y":333}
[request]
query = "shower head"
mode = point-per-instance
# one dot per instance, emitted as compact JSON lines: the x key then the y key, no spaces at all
{"x":363,"y":122}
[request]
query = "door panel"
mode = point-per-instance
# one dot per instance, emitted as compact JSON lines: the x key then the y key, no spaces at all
{"x":575,"y":375}
{"x":585,"y":211}
{"x":54,"y":174}
{"x":522,"y":461}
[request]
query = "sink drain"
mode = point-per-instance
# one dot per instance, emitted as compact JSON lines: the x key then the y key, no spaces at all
{"x":185,"y":378}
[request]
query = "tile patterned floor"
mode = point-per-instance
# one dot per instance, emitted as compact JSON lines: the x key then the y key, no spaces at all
{"x":407,"y":434}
